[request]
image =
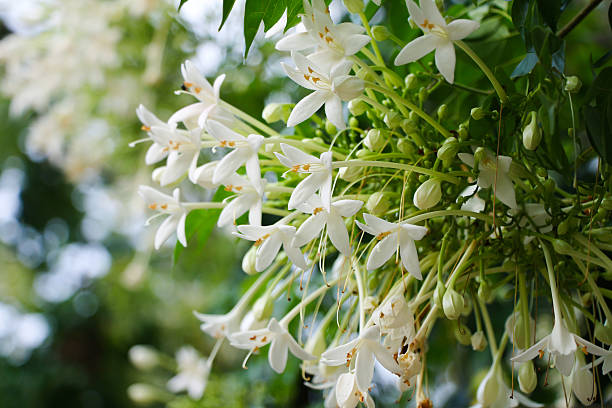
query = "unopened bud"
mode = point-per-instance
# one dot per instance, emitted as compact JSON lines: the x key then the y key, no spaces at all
{"x":484,"y":291}
{"x":353,"y":122}
{"x":374,"y":140}
{"x":330,"y":128}
{"x":406,"y":147}
{"x":411,"y":81}
{"x":393,"y":119}
{"x":479,"y":341}
{"x":273,"y":112}
{"x":438,"y":295}
{"x":354,"y":6}
{"x":527,"y":378}
{"x":477,"y":113}
{"x":143,"y":357}
{"x":442,"y":111}
{"x":488,"y":389}
{"x":380,"y":33}
{"x":357,"y":107}
{"x":562,"y":247}
{"x":263,"y":307}
{"x":573,"y":84}
{"x":606,"y":203}
{"x":428,"y":194}
{"x":248,"y":261}
{"x":350,"y":173}
{"x":453,"y":304}
{"x":449,"y":149}
{"x":142,"y":394}
{"x":157,"y":174}
{"x":532,"y":134}
{"x":377,"y":204}
{"x":463,"y":334}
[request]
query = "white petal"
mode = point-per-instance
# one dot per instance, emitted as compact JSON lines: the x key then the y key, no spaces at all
{"x":155,"y":153}
{"x":364,"y":368}
{"x":333,"y":111}
{"x":347,"y":208}
{"x":222,"y":132}
{"x":233,"y":210}
{"x":297,"y":76}
{"x":564,"y":363}
{"x":410,"y":258}
{"x":431,"y":12}
{"x":416,"y":49}
{"x":338,"y":234}
{"x":309,"y":229}
{"x":296,"y":256}
{"x":415,"y":232}
{"x":461,"y":28}
{"x":255,"y":212}
{"x":254,"y":172}
{"x":415,"y":12}
{"x":307,"y":107}
{"x":267,"y":252}
{"x":217,"y":85}
{"x":164,"y":231}
{"x":532,"y":351}
{"x":306,"y":188}
{"x":337,"y":355}
{"x":382,"y":251}
{"x":296,"y":156}
{"x":295,"y":42}
{"x":445,"y":60}
{"x":504,"y":191}
{"x":296,"y":350}
{"x":188,"y":112}
{"x":467,"y":158}
{"x":356,"y":43}
{"x":378,"y":224}
{"x":474,"y":204}
{"x":180,"y":230}
{"x":277,"y":355}
{"x":229,"y":164}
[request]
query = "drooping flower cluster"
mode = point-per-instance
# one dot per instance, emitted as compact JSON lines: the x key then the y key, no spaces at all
{"x":371,"y":198}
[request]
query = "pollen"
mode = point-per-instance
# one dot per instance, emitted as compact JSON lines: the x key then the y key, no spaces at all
{"x":426,"y":24}
{"x":229,"y":187}
{"x":197,"y":89}
{"x":264,"y":338}
{"x":223,"y":143}
{"x":238,"y":188}
{"x":145,"y":128}
{"x":252,"y":338}
{"x":164,"y":206}
{"x":231,"y":144}
{"x":307,"y":77}
{"x":153,"y":206}
{"x":261,"y":240}
{"x":328,"y":39}
{"x":295,"y":168}
{"x":187,"y":84}
{"x":541,"y":353}
{"x":382,"y":235}
{"x":315,"y":79}
{"x":584,"y":350}
{"x":306,"y":167}
{"x":317,"y":210}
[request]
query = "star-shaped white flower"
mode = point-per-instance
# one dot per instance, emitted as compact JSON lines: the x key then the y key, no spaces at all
{"x":269,"y":240}
{"x":245,"y":152}
{"x":247,"y":198}
{"x":192,"y":374}
{"x":364,"y":349}
{"x":170,"y":206}
{"x":195,"y":115}
{"x":349,"y":395}
{"x":183,"y":149}
{"x":392,"y":236}
{"x":331,"y":86}
{"x":159,"y":149}
{"x":318,"y":30}
{"x":219,"y":326}
{"x":438,"y":36}
{"x":333,"y":219}
{"x":320,"y":178}
{"x":280,"y":342}
{"x":491,"y":169}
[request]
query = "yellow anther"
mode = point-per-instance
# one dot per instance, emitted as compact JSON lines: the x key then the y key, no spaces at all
{"x":153,"y":206}
{"x":238,"y":188}
{"x":187,"y":84}
{"x":229,"y":187}
{"x":164,"y":206}
{"x":584,"y":350}
{"x":261,"y":240}
{"x":306,"y":167}
{"x":310,"y":70}
{"x":231,"y":144}
{"x":317,"y":210}
{"x":541,"y":353}
{"x":382,"y":235}
{"x":252,"y":338}
{"x":315,"y":79}
{"x":295,"y":168}
{"x":197,"y":89}
{"x":307,"y":77}
{"x":263,"y":339}
{"x":145,"y":128}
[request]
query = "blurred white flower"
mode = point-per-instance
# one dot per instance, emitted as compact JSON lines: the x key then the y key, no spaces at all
{"x":193,"y":372}
{"x":166,"y":205}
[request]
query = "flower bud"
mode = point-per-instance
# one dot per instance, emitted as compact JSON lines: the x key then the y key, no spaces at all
{"x":350,"y":173}
{"x":484,"y":291}
{"x":380,"y":33}
{"x":273,"y":112}
{"x":532,"y":134}
{"x":428,"y":194}
{"x":354,"y":6}
{"x":479,"y":341}
{"x":463,"y":334}
{"x":488,"y":389}
{"x":263,"y":307}
{"x":573,"y":84}
{"x":348,"y":87}
{"x":562,"y":247}
{"x":330,"y":128}
{"x":248,"y":261}
{"x":442,"y":111}
{"x":438,"y":295}
{"x":353,"y":122}
{"x":393,"y":119}
{"x":463,"y":133}
{"x":563,"y":227}
{"x":357,"y":107}
{"x":477,"y":113}
{"x":527,"y":378}
{"x":377,"y":204}
{"x":203,"y":175}
{"x":406,"y":147}
{"x":411,"y":81}
{"x":453,"y":304}
{"x":374,"y":140}
{"x":449,"y":149}
{"x":143,"y":357}
{"x":142,"y":394}
{"x":362,"y":152}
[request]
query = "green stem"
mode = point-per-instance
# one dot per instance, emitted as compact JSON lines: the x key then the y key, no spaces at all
{"x":296,"y":310}
{"x":485,"y":69}
{"x":248,"y":118}
{"x":445,"y":213}
{"x":398,"y":166}
{"x":488,"y":326}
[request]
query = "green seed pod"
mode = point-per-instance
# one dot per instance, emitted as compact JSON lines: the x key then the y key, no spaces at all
{"x":477,"y":113}
{"x":380,"y":33}
{"x":573,"y":84}
{"x":377,"y":204}
{"x":449,"y":149}
{"x":409,"y":126}
{"x":531,"y":133}
{"x":357,"y":107}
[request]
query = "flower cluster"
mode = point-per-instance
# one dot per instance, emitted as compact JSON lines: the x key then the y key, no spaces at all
{"x":423,"y":223}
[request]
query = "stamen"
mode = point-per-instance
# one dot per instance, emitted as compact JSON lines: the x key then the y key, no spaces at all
{"x":153,"y":206}
{"x":541,"y":353}
{"x":295,"y":168}
{"x":584,"y":350}
{"x":307,"y":77}
{"x":198,"y":89}
{"x":382,"y":235}
{"x":145,"y":128}
{"x":252,"y":338}
{"x":261,"y":240}
{"x":229,"y":187}
{"x":187,"y":84}
{"x":317,"y":210}
{"x":164,"y":206}
{"x":306,"y":167}
{"x":263,"y":339}
{"x":231,"y":144}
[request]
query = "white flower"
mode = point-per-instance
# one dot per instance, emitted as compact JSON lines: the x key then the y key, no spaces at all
{"x":492,"y":174}
{"x":183,"y":151}
{"x":203,"y":175}
{"x":192,"y":374}
{"x":395,"y":314}
{"x":336,"y":41}
{"x":166,"y":205}
{"x":438,"y":36}
{"x":494,"y":393}
{"x":159,"y":149}
{"x":336,"y":229}
{"x":391,"y":236}
{"x":245,"y":152}
{"x":348,"y":394}
{"x":583,"y":381}
{"x":364,"y":349}
{"x":331,"y":87}
{"x":536,"y":219}
{"x":195,"y":115}
{"x":280,"y":343}
{"x":247,"y":199}
{"x":268,"y":240}
{"x":219,"y":326}
{"x":474,"y":203}
{"x":562,"y":344}
{"x":320,"y":178}
{"x":606,"y":359}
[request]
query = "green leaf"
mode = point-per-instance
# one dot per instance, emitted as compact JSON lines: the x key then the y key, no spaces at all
{"x":228,"y":5}
{"x":598,"y":114}
{"x":199,"y":225}
{"x":294,"y":8}
{"x":525,"y":66}
{"x":181,"y":4}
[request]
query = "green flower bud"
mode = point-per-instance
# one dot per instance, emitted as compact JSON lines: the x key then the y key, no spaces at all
{"x":603,"y":332}
{"x":377,"y":204}
{"x":463,"y":133}
{"x":423,"y":94}
{"x":479,"y":341}
{"x":442,"y":111}
{"x":142,"y":394}
{"x":563,"y":227}
{"x":362,"y":152}
{"x":411,"y":81}
{"x":463,"y":334}
{"x":573,"y":84}
{"x":380,"y":33}
{"x":353,"y":122}
{"x":532,"y":134}
{"x":479,"y":155}
{"x":449,"y":149}
{"x":488,"y":389}
{"x":364,"y":74}
{"x":562,"y":247}
{"x":427,"y":195}
{"x":606,"y":203}
{"x":484,"y":291}
{"x":393,"y":119}
{"x":248,"y":261}
{"x":143,"y":357}
{"x":374,"y":140}
{"x":409,"y":126}
{"x":357,"y":107}
{"x":319,"y":134}
{"x":453,"y":304}
{"x":477,"y":113}
{"x":273,"y":112}
{"x":406,"y":147}
{"x":413,"y":117}
{"x":330,"y":128}
{"x":350,"y":174}
{"x":354,"y":6}
{"x":527,"y":378}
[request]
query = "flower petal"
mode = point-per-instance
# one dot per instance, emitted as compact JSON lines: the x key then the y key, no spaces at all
{"x":309,"y":229}
{"x":165,"y":230}
{"x":504,"y":191}
{"x":410,"y":258}
{"x":461,"y":28}
{"x":180,"y":230}
{"x":347,"y":208}
{"x":333,"y":111}
{"x":364,"y":368}
{"x":445,"y":60}
{"x":306,"y":188}
{"x":338,"y":234}
{"x":382,"y":251}
{"x":295,"y":42}
{"x":307,"y":107}
{"x":532,"y":351}
{"x":229,"y":164}
{"x":267,"y":251}
{"x":277,"y":355}
{"x":416,"y":49}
